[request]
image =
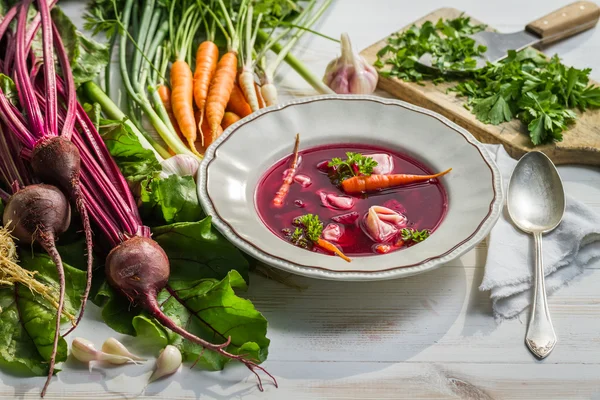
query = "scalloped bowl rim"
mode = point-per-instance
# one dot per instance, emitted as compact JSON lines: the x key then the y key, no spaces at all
{"x":461,"y":248}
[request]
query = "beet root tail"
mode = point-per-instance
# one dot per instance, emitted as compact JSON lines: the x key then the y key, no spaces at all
{"x":47,"y":242}
{"x":78,"y":197}
{"x":154,"y":308}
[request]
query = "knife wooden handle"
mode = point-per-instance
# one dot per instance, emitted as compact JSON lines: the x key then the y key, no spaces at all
{"x":566,"y":21}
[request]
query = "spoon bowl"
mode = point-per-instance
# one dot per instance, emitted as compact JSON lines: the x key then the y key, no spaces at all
{"x":535,"y":200}
{"x":536,"y":204}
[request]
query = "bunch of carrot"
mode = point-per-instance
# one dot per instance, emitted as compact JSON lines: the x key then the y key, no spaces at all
{"x":177,"y":79}
{"x":202,"y":103}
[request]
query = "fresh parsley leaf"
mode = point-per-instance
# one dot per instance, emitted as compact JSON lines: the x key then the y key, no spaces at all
{"x":311,"y":225}
{"x":413,"y":235}
{"x":355,"y":164}
{"x":448,"y":42}
{"x":538,"y":91}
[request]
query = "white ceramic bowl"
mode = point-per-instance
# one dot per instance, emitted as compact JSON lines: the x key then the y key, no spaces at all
{"x":235,"y":163}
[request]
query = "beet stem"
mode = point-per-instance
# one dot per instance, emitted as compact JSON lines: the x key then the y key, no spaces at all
{"x":35,"y":26}
{"x":46,"y":240}
{"x":26,"y":94}
{"x":156,"y":312}
{"x":49,"y":70}
{"x":63,"y":59}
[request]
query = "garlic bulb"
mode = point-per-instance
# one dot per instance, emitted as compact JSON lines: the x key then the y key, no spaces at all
{"x":167,"y":363}
{"x":181,"y":164}
{"x":113,"y":346}
{"x":350,"y":73}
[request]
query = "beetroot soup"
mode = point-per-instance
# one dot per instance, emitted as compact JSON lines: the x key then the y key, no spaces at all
{"x":335,"y":199}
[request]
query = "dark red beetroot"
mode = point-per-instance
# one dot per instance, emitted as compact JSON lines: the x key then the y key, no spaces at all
{"x":56,"y":161}
{"x":140,"y":269}
{"x":41,"y":213}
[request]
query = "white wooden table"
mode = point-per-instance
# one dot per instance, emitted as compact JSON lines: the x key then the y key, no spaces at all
{"x":428,"y":336}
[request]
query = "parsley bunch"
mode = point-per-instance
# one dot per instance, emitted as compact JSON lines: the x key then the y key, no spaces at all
{"x":355,"y":164}
{"x":539,"y":92}
{"x":448,"y":42}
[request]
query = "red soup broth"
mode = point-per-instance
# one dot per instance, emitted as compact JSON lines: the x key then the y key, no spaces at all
{"x":423,"y":204}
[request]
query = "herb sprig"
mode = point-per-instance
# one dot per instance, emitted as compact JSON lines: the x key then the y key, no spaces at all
{"x":448,"y":42}
{"x":414,"y":235}
{"x":539,"y":92}
{"x":355,"y":164}
{"x":308,"y":230}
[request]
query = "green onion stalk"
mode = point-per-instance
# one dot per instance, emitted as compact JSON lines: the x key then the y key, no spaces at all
{"x":152,"y":31}
{"x":302,"y":25}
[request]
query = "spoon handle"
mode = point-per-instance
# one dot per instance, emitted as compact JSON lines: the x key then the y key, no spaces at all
{"x":540,"y":336}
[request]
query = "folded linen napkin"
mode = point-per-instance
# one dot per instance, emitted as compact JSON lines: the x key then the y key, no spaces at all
{"x":568,"y":250}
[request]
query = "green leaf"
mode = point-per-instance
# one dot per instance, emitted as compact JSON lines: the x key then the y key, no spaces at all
{"x":208,"y":308}
{"x":572,"y":78}
{"x":500,"y":112}
{"x":197,"y":249}
{"x":9,"y":89}
{"x":171,"y":199}
{"x":448,"y":42}
{"x":211,"y":310}
{"x":117,"y":311}
{"x":536,"y":131}
{"x":136,"y":163}
{"x":87,"y":57}
{"x":27,"y":321}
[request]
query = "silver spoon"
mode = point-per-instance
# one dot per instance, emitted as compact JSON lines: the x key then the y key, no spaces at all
{"x":536,"y":204}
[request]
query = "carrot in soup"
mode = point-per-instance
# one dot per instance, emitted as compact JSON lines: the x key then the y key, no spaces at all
{"x":361,"y":184}
{"x":289,"y":176}
{"x":324,"y":244}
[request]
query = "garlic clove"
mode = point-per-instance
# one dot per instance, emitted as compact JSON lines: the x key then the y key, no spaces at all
{"x":167,"y":363}
{"x":83,"y":350}
{"x":113,"y":346}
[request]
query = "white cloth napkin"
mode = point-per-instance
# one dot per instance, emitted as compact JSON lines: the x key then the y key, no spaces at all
{"x":568,"y":250}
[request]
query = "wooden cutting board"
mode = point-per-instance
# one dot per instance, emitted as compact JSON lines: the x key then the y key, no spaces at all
{"x":581,"y":142}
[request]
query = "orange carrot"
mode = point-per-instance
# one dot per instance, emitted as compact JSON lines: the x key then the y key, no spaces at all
{"x":229,"y":119}
{"x":261,"y":100}
{"x":383,"y":248}
{"x":360,"y":184}
{"x":207,"y":135}
{"x":165,"y":96}
{"x":332,"y":248}
{"x":219,"y":91}
{"x":206,"y":64}
{"x":182,"y":100}
{"x":237,"y":103}
{"x":288,"y":179}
